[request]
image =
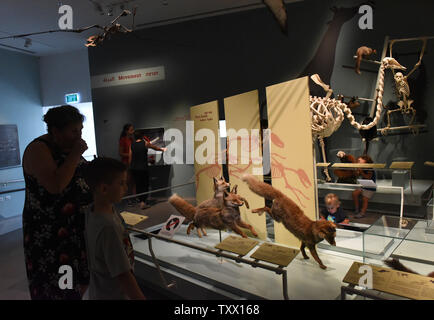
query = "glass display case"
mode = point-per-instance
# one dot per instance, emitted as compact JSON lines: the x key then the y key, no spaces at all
{"x":409,"y":240}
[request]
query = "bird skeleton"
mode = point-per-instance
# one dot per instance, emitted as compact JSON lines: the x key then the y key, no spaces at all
{"x":327,"y":114}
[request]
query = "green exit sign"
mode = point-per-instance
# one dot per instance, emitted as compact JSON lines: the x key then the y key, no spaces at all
{"x":72,"y":98}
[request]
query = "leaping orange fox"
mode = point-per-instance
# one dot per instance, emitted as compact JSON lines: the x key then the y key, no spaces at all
{"x":293,"y":218}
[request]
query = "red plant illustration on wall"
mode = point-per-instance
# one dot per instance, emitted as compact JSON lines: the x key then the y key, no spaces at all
{"x":278,"y":171}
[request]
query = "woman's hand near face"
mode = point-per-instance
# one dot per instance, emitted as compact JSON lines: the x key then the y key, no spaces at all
{"x":79,"y":147}
{"x":39,"y":163}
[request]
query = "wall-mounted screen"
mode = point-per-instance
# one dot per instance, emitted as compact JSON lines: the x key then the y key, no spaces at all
{"x":9,"y":146}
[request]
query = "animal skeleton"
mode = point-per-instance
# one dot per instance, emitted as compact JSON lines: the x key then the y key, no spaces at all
{"x":327,"y":114}
{"x":94,"y":40}
{"x":403,"y":89}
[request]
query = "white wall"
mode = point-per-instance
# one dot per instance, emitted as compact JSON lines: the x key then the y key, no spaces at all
{"x":88,"y":133}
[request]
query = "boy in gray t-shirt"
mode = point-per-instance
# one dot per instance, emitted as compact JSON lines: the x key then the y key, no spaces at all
{"x":109,"y":249}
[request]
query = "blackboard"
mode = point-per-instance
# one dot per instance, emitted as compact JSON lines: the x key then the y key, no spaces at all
{"x":9,"y":146}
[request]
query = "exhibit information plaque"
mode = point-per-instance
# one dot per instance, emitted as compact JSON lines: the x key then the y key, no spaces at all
{"x":272,"y":253}
{"x":132,"y":218}
{"x":237,"y":245}
{"x":399,"y":283}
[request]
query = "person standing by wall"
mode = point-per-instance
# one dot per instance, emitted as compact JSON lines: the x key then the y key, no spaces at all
{"x":139,"y":165}
{"x":55,"y":201}
{"x":125,"y":140}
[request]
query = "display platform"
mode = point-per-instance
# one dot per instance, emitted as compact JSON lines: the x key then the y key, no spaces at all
{"x":351,"y":242}
{"x":203,"y":276}
{"x":418,"y":245}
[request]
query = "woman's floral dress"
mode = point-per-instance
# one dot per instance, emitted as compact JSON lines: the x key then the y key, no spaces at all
{"x":53,"y":233}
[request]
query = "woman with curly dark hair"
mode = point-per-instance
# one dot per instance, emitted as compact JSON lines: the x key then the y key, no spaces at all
{"x":53,"y":214}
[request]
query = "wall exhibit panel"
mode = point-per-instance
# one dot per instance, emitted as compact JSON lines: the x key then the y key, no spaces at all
{"x":292,"y":162}
{"x":242,"y":115}
{"x":206,"y":116}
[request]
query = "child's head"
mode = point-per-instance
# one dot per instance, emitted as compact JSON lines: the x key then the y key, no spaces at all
{"x":107,"y":178}
{"x":332,"y":202}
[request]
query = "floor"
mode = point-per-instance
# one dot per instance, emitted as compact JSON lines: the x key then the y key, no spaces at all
{"x":13,"y":281}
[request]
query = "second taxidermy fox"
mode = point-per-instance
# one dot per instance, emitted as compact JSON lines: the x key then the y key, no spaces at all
{"x":286,"y":211}
{"x":220,"y":185}
{"x":227,"y":216}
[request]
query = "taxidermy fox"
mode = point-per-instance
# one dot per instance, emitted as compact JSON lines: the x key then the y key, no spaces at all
{"x":293,"y":218}
{"x":395,"y":264}
{"x":227,"y":216}
{"x":220,"y":185}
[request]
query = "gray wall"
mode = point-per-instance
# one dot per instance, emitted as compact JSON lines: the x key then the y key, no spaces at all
{"x":64,"y":73}
{"x":21,"y":105}
{"x":217,"y":57}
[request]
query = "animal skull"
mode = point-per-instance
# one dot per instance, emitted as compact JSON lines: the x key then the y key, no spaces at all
{"x":402,"y":85}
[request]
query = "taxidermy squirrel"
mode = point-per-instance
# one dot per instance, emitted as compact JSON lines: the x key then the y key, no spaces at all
{"x":226,"y":216}
{"x":363,"y":52}
{"x":396,"y":265}
{"x":293,"y":218}
{"x":346,"y":176}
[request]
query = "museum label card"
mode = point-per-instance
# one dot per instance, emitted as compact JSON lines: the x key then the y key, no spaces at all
{"x":132,"y":218}
{"x":237,"y":245}
{"x":171,"y":226}
{"x":399,"y":283}
{"x":272,"y":253}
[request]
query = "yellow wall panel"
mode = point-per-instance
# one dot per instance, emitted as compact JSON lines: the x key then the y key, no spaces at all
{"x":292,"y":160}
{"x":206,"y":116}
{"x":242,"y":112}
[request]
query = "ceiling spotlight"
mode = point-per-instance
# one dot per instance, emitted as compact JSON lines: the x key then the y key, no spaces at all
{"x":28,"y":42}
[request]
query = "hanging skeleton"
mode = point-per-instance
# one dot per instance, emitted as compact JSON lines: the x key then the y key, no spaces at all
{"x":327,"y":114}
{"x":403,"y":89}
{"x":94,"y":40}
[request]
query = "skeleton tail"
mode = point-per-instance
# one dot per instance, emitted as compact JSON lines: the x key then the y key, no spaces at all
{"x":261,"y":188}
{"x":182,"y":206}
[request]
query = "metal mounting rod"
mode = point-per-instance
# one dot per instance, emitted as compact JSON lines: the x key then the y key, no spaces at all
{"x":219,"y":253}
{"x":357,"y":98}
{"x":368,"y":60}
{"x":156,"y":190}
{"x":411,"y":39}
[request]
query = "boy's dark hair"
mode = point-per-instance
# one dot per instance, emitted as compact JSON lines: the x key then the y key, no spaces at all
{"x":60,"y":117}
{"x":102,"y":170}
